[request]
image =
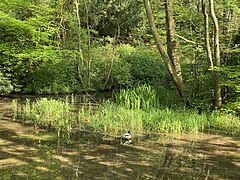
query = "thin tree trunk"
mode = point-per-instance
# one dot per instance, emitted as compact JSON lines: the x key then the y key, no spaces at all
{"x":171,"y":40}
{"x":206,"y":29}
{"x":61,"y":33}
{"x":113,"y":54}
{"x":89,"y":43}
{"x":80,"y":56}
{"x":217,"y":89}
{"x":170,"y":67}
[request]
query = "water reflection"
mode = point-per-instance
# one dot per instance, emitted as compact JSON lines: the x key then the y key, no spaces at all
{"x":26,"y":154}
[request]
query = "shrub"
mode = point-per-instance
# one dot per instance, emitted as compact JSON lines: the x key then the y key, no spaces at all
{"x":145,"y":65}
{"x":108,"y":70}
{"x":57,"y":75}
{"x":5,"y":85}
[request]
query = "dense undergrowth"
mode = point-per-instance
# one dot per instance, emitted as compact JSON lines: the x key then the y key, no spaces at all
{"x":139,"y":109}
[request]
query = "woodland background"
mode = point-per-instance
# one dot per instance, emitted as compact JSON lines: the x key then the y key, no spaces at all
{"x":72,"y":46}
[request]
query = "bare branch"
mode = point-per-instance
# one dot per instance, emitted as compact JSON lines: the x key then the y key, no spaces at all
{"x":185,"y":39}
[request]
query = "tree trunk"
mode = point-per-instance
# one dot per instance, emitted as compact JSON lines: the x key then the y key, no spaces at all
{"x":206,"y":29}
{"x":80,"y":56}
{"x":89,"y":42}
{"x":170,"y":66}
{"x":217,"y":89}
{"x":171,"y":40}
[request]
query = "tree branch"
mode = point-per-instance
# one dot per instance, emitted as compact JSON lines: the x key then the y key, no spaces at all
{"x":185,"y":39}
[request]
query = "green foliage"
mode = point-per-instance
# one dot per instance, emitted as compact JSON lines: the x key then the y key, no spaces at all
{"x":117,"y":17}
{"x":108,"y":70}
{"x":145,"y":65}
{"x":5,"y":85}
{"x":231,"y":84}
{"x":112,"y":118}
{"x":39,"y":47}
{"x":49,"y":113}
{"x":26,"y":32}
{"x":231,"y":76}
{"x":141,"y":97}
{"x":57,"y":75}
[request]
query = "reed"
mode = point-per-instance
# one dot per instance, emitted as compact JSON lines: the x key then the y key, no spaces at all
{"x":137,"y":110}
{"x":14,"y":108}
{"x":116,"y":119}
{"x":224,"y":123}
{"x":140,"y":97}
{"x":49,"y":113}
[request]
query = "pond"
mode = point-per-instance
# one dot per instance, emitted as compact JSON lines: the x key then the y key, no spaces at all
{"x":27,"y":153}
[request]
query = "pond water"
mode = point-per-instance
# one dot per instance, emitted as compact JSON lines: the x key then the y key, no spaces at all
{"x":27,"y":153}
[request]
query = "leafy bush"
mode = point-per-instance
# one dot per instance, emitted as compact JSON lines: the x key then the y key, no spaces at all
{"x":5,"y":85}
{"x":58,"y":74}
{"x":108,"y":70}
{"x":145,"y":65}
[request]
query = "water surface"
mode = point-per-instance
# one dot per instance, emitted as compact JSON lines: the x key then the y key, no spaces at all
{"x":28,"y":153}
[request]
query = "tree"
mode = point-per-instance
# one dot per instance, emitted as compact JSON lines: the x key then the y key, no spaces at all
{"x":217,"y":89}
{"x":169,"y":64}
{"x":206,"y":36}
{"x":80,"y":61}
{"x":171,"y":40}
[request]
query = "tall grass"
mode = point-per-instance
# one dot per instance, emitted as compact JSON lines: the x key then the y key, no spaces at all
{"x":14,"y":107}
{"x":147,"y":97}
{"x":167,"y":120}
{"x":140,"y":97}
{"x":49,"y":113}
{"x":224,"y":123}
{"x":116,"y":119}
{"x":138,"y":110}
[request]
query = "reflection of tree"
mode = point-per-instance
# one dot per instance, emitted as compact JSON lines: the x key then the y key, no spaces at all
{"x":169,"y":156}
{"x":167,"y":163}
{"x":91,"y":157}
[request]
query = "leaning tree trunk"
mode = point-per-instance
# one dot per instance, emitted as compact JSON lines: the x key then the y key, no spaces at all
{"x":171,"y":40}
{"x":217,"y":89}
{"x":170,"y":66}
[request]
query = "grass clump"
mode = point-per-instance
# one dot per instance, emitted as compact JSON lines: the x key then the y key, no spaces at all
{"x":49,"y":113}
{"x":141,"y":97}
{"x":138,"y":109}
{"x":167,"y":120}
{"x":116,"y":119}
{"x":224,"y":123}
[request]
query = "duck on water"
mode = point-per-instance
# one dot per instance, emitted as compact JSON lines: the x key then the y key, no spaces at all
{"x":127,"y":138}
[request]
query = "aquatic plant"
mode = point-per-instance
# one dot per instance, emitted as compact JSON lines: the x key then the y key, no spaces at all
{"x":137,"y":110}
{"x":224,"y":123}
{"x":140,"y":97}
{"x":115,"y":119}
{"x":147,"y":97}
{"x":14,"y":107}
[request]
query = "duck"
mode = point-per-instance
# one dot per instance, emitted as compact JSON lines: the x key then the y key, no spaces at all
{"x":127,"y":136}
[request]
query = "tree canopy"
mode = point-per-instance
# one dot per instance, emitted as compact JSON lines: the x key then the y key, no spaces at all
{"x":63,"y":46}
